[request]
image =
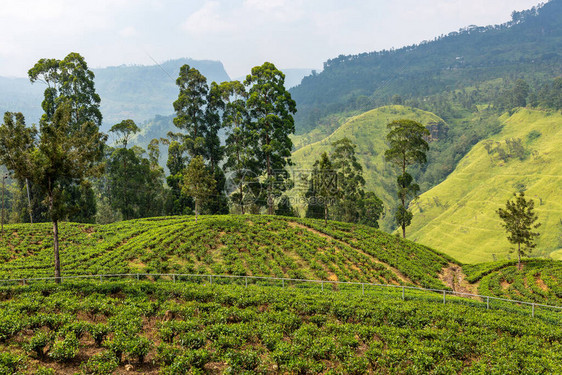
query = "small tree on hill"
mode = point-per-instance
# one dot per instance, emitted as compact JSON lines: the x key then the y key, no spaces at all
{"x":198,"y":182}
{"x":407,"y":146}
{"x":519,"y":222}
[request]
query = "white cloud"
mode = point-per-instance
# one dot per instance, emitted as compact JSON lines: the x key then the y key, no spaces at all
{"x":207,"y":20}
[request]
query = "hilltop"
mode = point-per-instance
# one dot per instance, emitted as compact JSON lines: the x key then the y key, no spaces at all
{"x":458,"y":216}
{"x":231,"y":245}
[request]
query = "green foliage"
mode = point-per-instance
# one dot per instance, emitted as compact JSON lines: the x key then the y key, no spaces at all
{"x":198,"y":183}
{"x":407,"y":146}
{"x":271,"y":108}
{"x":65,"y":349}
{"x":39,"y":343}
{"x":11,"y":363}
{"x":519,"y":222}
{"x":125,"y":130}
{"x":104,"y":363}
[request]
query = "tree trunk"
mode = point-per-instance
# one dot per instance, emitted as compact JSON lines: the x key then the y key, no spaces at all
{"x":519,"y":256}
{"x":196,"y":209}
{"x":56,"y":248}
{"x":29,"y":201}
{"x":325,"y":214}
{"x":403,"y":230}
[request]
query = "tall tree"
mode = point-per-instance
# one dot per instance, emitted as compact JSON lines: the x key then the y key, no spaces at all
{"x":271,"y":108}
{"x":198,"y":182}
{"x":519,"y":221}
{"x":407,"y":146}
{"x":371,"y":209}
{"x":241,"y":165}
{"x":124,"y":131}
{"x":60,"y":154}
{"x":68,"y":81}
{"x":191,"y":116}
{"x":350,"y":180}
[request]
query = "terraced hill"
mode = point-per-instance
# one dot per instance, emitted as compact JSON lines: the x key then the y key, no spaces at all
{"x":368,"y":131}
{"x":237,"y":245}
{"x":459,"y":216}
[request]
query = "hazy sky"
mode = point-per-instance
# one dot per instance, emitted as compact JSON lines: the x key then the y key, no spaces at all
{"x":240,"y":33}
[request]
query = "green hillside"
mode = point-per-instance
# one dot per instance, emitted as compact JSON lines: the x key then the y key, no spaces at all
{"x":368,"y":131}
{"x":458,"y":216}
{"x":231,"y":245}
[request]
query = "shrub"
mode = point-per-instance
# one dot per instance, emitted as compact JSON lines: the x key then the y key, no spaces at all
{"x":101,"y":364}
{"x":10,"y":363}
{"x":139,"y":347}
{"x":98,"y":332}
{"x":192,"y":340}
{"x":66,"y":349}
{"x":39,"y":342}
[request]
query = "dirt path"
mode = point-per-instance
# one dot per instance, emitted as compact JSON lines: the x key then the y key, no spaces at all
{"x":454,"y":277}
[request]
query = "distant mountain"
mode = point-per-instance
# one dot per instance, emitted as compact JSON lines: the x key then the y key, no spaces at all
{"x":141,"y":92}
{"x":137,"y":92}
{"x":528,"y":46}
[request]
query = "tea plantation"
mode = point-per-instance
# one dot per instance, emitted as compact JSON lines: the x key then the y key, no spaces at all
{"x":177,"y":328}
{"x":192,"y":326}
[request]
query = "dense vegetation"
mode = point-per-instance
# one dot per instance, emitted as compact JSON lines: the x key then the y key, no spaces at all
{"x":167,"y":328}
{"x":234,"y":245}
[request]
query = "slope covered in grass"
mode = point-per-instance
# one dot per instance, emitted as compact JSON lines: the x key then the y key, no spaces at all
{"x":232,"y":245}
{"x":186,"y":328}
{"x":368,"y":131}
{"x":459,"y":216}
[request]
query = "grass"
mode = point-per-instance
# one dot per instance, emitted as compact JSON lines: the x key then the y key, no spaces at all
{"x":459,"y":216}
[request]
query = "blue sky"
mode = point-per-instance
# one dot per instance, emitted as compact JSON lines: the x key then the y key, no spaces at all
{"x":240,"y":33}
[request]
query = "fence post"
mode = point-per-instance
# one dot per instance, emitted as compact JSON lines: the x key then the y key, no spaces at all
{"x":138,"y":278}
{"x":487,"y":303}
{"x":363,"y":288}
{"x":444,"y":294}
{"x":403,"y":293}
{"x":101,"y":277}
{"x":210,"y":279}
{"x":246,"y":281}
{"x":174,"y":276}
{"x":282,"y":283}
{"x":322,"y":285}
{"x":533,"y":311}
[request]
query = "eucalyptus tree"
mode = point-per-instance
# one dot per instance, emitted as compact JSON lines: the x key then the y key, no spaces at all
{"x":241,"y":165}
{"x":70,"y":82}
{"x":407,"y":146}
{"x":350,"y":180}
{"x":271,"y":107}
{"x":60,"y":153}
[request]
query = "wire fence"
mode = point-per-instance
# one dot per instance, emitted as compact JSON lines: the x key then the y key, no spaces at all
{"x":286,"y":282}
